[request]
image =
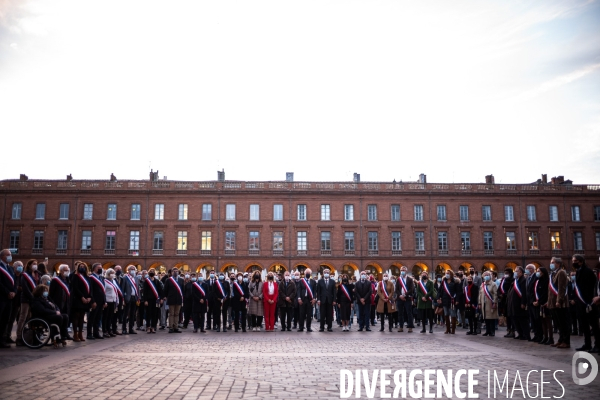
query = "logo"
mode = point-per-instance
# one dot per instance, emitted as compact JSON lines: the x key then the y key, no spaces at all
{"x":583,"y":363}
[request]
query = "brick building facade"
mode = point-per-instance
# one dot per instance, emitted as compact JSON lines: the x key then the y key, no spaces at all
{"x":288,"y":225}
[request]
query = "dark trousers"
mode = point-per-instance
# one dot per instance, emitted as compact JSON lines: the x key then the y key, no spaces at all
{"x":141,"y":310}
{"x":490,"y":326}
{"x":470,"y":315}
{"x":5,"y":311}
{"x":364,"y":315}
{"x":187,"y":313}
{"x":372,"y":313}
{"x":572,"y":318}
{"x":510,"y":325}
{"x":94,"y":318}
{"x":14,"y":313}
{"x":129,"y":315}
{"x":109,"y":319}
{"x":256,"y":321}
{"x":522,"y":326}
{"x":405,"y":310}
{"x":216,"y":313}
{"x":588,"y":324}
{"x":426,"y":314}
{"x":560,"y":316}
{"x":537,"y":323}
{"x":531,"y":311}
{"x":62,"y":321}
{"x":152,"y":312}
{"x":285,"y":314}
{"x":237,"y":314}
{"x":296,"y":314}
{"x":198,"y":319}
{"x":326,"y":312}
{"x":224,"y":308}
{"x":306,"y":314}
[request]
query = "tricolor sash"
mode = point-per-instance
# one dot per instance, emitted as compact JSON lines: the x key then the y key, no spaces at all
{"x":177,"y":286}
{"x":423,"y":288}
{"x":447,"y":290}
{"x":383,"y":290}
{"x":467,"y":295}
{"x":132,"y":282}
{"x":7,"y":274}
{"x":117,"y":291}
{"x":29,"y":280}
{"x":516,"y":286}
{"x":87,"y":285}
{"x":151,"y":285}
{"x":239,"y":288}
{"x":487,"y":293}
{"x":98,"y":282}
{"x":537,"y":297}
{"x":308,"y":289}
{"x":199,"y":288}
{"x":62,"y":284}
{"x":221,"y":289}
{"x":346,"y":292}
{"x":403,"y":284}
{"x":578,"y":293}
{"x":502,"y":285}
{"x":552,"y":288}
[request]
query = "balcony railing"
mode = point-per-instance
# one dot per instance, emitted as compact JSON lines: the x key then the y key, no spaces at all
{"x":109,"y":252}
{"x":442,"y":252}
{"x":86,"y":252}
{"x":510,"y":252}
{"x":534,"y":252}
{"x":61,"y":252}
{"x":349,"y":253}
{"x":326,"y":253}
{"x":157,"y":252}
{"x":419,"y":252}
{"x":182,"y":252}
{"x":396,"y":252}
{"x":579,"y":251}
{"x":37,"y":252}
{"x":373,"y":253}
{"x":230,"y":252}
{"x":556,"y":252}
{"x":253,"y":252}
{"x":277,"y":253}
{"x":465,"y":252}
{"x":302,"y":252}
{"x":488,"y":252}
{"x":205,"y":252}
{"x":133,"y":252}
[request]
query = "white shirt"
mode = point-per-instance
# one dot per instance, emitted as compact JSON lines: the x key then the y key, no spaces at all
{"x":271,"y":288}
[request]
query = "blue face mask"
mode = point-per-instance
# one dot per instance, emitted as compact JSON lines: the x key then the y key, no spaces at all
{"x":439,"y":279}
{"x":526,"y":272}
{"x":402,"y":273}
{"x":573,"y":278}
{"x":221,"y":277}
{"x":246,"y":280}
{"x":487,"y":278}
{"x":45,"y":294}
{"x":552,"y":267}
{"x":201,"y":279}
{"x":9,"y":259}
{"x":538,"y":274}
{"x":19,"y":269}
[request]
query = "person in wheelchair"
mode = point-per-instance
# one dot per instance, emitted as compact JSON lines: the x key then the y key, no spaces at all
{"x":42,"y":308}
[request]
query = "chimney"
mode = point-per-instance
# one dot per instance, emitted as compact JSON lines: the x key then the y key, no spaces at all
{"x":553,"y":180}
{"x":560,"y":179}
{"x":23,"y":177}
{"x":221,"y":175}
{"x":113,"y":178}
{"x":489,"y":179}
{"x":422,"y":178}
{"x":544,"y":178}
{"x":69,"y":178}
{"x":356,"y":177}
{"x":153,"y":176}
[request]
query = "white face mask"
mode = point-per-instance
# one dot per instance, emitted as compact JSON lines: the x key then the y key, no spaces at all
{"x":110,"y":276}
{"x":34,"y":267}
{"x":66,"y":274}
{"x":187,"y":277}
{"x":132,"y":273}
{"x":287,"y":277}
{"x":240,"y":278}
{"x":385,"y":278}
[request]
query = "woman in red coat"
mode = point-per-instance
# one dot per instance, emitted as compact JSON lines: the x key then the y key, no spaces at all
{"x":270,"y":294}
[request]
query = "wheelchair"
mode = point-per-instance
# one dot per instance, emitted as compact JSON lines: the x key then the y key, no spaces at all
{"x":37,"y":333}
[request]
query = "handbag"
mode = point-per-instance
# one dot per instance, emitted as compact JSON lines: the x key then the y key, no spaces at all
{"x":439,"y":311}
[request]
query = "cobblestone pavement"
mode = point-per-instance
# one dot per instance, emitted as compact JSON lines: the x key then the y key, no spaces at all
{"x":278,"y":365}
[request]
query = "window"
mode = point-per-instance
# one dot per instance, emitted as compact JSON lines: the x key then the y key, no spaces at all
{"x":62,"y":240}
{"x":420,"y":241}
{"x":230,"y":212}
{"x":372,"y":212}
{"x":206,"y":212}
{"x":158,"y":242}
{"x":134,"y":240}
{"x":229,"y":240}
{"x":511,"y":243}
{"x":277,"y":212}
{"x":441,"y":213}
{"x":277,"y":240}
{"x":86,"y":240}
{"x":182,"y":214}
{"x":206,"y":241}
{"x":464,"y":213}
{"x":88,"y":211}
{"x":40,"y":211}
{"x":486,"y":213}
{"x":396,"y":241}
{"x":597,"y":241}
{"x":509,"y":214}
{"x":395,"y":212}
{"x":553,"y":211}
{"x":418,"y":213}
{"x":112,"y":211}
{"x":325,"y":240}
{"x":64,"y":211}
{"x":531,"y":213}
{"x":575,"y":213}
{"x":533,"y":241}
{"x":596,"y":213}
{"x":159,"y":212}
{"x":348,"y":212}
{"x":15,"y":238}
{"x":488,"y":242}
{"x":465,"y":241}
{"x":254,"y":244}
{"x":555,"y":241}
{"x":349,"y":241}
{"x":373,"y":241}
{"x":301,"y":212}
{"x":301,"y":241}
{"x":38,"y":240}
{"x":442,"y":240}
{"x":110,"y":240}
{"x":325,"y":216}
{"x":16,"y":210}
{"x":136,"y":210}
{"x":577,"y":241}
{"x":254,"y":212}
{"x":182,"y":240}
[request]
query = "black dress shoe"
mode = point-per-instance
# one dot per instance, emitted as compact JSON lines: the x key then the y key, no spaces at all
{"x":329,"y":330}
{"x":594,"y":350}
{"x":486,"y":334}
{"x":162,"y":328}
{"x":4,"y":345}
{"x":301,"y":330}
{"x":218,"y":329}
{"x":584,"y":348}
{"x":195,"y":331}
{"x":360,"y":329}
{"x":282,"y":329}
{"x":321,"y":330}
{"x":125,"y":333}
{"x":171,"y":331}
{"x":9,"y":340}
{"x":132,"y":332}
{"x":244,"y":330}
{"x":469,"y":333}
{"x":202,"y":331}
{"x":549,"y":342}
{"x":510,"y":335}
{"x":90,"y":337}
{"x":309,"y":330}
{"x":178,"y":331}
{"x":98,"y":337}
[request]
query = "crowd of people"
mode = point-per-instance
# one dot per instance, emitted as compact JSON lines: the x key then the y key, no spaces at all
{"x":116,"y":302}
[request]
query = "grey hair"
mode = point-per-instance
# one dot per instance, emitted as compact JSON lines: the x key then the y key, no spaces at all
{"x":63,"y":266}
{"x":17,"y":263}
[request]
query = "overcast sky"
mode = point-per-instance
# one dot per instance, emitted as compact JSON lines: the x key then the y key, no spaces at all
{"x":389,"y":89}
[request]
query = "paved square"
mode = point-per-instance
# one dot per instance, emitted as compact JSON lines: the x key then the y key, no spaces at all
{"x":279,"y":365}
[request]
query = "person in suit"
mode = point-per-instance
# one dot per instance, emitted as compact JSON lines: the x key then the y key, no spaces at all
{"x":307,"y":298}
{"x":98,"y":295}
{"x":188,"y":298}
{"x":214,"y":302}
{"x":222,"y":292}
{"x":471,"y":295}
{"x":386,"y":306}
{"x":447,"y":299}
{"x":363,"y":291}
{"x":153,"y":300}
{"x":345,"y":300}
{"x":42,"y":307}
{"x":270,"y":295}
{"x":519,"y":304}
{"x":239,"y":301}
{"x":296,"y":315}
{"x":488,"y":303}
{"x":81,"y":299}
{"x":558,"y":302}
{"x":287,"y":296}
{"x":572,"y":311}
{"x":119,"y":281}
{"x":424,"y":293}
{"x":131,"y":300}
{"x":326,"y":300}
{"x":256,"y":307}
{"x":587,"y":312}
{"x":28,"y":281}
{"x":59,"y":291}
{"x":8,"y":291}
{"x":503,"y":288}
{"x":531,"y":280}
{"x":141,"y":311}
{"x":173,"y":295}
{"x":199,"y":303}
{"x":109,"y":317}
{"x":543,"y":315}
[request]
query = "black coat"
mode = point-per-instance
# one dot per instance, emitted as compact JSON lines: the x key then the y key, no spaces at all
{"x":236,"y":301}
{"x":302,"y":292}
{"x":530,"y":282}
{"x":197,"y":295}
{"x":363,"y":290}
{"x":149,"y":293}
{"x":98,"y":293}
{"x":128,"y":287}
{"x":446,"y":298}
{"x":517,"y":302}
{"x":172,"y":294}
{"x":42,"y":308}
{"x":26,"y":289}
{"x":187,"y":293}
{"x":341,"y":296}
{"x":542,"y":291}
{"x":586,"y":282}
{"x":326,"y":294}
{"x":213,"y":292}
{"x":474,"y":296}
{"x":79,"y":290}
{"x":59,"y":296}
{"x":8,"y":283}
{"x":286,"y":290}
